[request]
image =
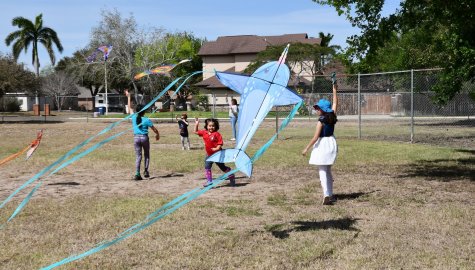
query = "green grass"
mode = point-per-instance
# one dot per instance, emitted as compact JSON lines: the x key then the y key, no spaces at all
{"x":400,"y":205}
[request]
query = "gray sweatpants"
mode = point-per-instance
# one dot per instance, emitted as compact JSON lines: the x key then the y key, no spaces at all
{"x":141,"y":142}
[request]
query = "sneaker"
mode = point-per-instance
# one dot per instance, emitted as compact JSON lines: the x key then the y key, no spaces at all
{"x":182,"y":148}
{"x":207,"y":183}
{"x":146,"y":174}
{"x":326,"y":200}
{"x":137,"y":177}
{"x":233,"y":139}
{"x":332,"y":199}
{"x":232,"y":182}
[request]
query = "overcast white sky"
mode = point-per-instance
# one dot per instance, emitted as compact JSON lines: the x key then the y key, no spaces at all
{"x":73,"y":20}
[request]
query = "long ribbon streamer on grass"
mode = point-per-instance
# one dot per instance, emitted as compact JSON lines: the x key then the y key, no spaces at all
{"x":173,"y":205}
{"x":32,"y":146}
{"x":85,"y":152}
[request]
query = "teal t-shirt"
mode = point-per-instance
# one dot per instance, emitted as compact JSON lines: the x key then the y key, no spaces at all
{"x":143,"y":128}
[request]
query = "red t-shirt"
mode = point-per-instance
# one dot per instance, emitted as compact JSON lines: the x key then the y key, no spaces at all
{"x":212,"y":140}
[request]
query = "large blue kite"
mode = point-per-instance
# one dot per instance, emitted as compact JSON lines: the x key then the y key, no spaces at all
{"x":264,"y":89}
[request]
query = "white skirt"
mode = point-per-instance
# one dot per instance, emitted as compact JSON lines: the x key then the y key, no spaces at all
{"x":324,"y":151}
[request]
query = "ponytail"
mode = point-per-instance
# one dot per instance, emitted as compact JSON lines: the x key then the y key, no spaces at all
{"x":140,"y":113}
{"x":331,"y":118}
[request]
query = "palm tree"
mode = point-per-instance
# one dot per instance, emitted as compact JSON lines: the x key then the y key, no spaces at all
{"x":325,"y":42}
{"x":31,"y":34}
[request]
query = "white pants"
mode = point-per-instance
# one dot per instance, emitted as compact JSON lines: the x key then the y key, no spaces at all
{"x":326,"y":179}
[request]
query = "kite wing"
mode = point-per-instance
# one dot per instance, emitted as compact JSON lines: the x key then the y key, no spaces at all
{"x":105,"y":52}
{"x":34,"y":144}
{"x":288,"y":97}
{"x":141,"y":75}
{"x":165,"y":70}
{"x":234,"y":81}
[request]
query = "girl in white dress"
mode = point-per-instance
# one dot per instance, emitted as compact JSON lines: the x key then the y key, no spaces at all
{"x":323,"y":143}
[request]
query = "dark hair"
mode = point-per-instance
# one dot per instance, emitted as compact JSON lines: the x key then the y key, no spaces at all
{"x":141,"y":113}
{"x":234,"y":101}
{"x":331,"y":117}
{"x":215,"y":121}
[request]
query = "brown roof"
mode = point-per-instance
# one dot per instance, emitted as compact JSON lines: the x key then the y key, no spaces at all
{"x":251,"y":44}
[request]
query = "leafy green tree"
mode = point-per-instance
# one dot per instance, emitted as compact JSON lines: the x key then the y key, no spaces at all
{"x":419,"y":34}
{"x":305,"y":59}
{"x":15,"y":78}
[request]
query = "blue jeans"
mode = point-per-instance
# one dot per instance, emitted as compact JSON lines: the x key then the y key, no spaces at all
{"x":233,"y":125}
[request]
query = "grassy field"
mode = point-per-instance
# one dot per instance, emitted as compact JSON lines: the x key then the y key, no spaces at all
{"x":400,"y":205}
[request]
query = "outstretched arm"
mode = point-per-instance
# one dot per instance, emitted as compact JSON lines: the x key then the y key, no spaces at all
{"x":197,"y":122}
{"x":157,"y":134}
{"x":335,"y":97}
{"x":128,"y":101}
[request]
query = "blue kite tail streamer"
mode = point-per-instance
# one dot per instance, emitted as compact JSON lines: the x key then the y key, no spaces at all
{"x":75,"y":149}
{"x":173,"y":205}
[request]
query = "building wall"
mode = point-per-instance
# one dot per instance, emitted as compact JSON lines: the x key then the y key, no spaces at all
{"x":220,"y":63}
{"x":243,"y":60}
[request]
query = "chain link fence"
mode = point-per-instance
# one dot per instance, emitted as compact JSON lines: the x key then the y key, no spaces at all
{"x":398,"y":106}
{"x":394,"y":106}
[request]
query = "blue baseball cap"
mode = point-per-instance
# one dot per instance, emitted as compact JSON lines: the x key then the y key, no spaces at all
{"x":323,"y":105}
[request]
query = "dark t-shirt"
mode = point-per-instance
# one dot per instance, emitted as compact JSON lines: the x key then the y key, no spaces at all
{"x":328,"y":120}
{"x":183,"y":128}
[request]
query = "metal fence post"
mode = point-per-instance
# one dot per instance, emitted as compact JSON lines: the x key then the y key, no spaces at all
{"x":214,"y":104}
{"x":277,"y":121}
{"x":412,"y":106}
{"x":359,"y":106}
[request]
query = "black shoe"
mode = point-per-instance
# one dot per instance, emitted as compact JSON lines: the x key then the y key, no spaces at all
{"x":137,"y":177}
{"x":146,"y":174}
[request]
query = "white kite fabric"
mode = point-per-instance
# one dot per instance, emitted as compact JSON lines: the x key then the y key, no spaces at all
{"x":180,"y":201}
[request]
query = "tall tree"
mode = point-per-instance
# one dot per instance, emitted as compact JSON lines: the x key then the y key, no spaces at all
{"x":421,"y":33}
{"x":60,"y":86}
{"x":124,"y":35}
{"x":32,"y":34}
{"x":14,"y":77}
{"x":325,"y":41}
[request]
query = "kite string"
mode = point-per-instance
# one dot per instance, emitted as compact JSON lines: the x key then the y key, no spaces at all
{"x":87,"y":151}
{"x":72,"y":151}
{"x":173,"y":205}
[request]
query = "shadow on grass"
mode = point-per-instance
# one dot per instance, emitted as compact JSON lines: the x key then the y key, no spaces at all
{"x":228,"y":185}
{"x":448,"y":123}
{"x":441,"y":170}
{"x":303,"y":226}
{"x":170,"y":175}
{"x":64,"y":184}
{"x":350,"y":196}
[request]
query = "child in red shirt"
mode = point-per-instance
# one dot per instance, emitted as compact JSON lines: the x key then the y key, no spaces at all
{"x":213,"y":143}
